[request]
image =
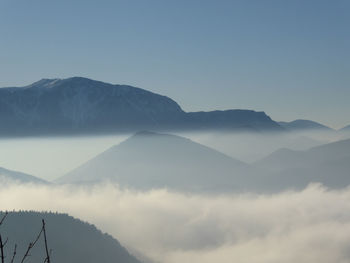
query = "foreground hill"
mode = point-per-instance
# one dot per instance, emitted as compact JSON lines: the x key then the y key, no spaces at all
{"x":328,"y":164}
{"x":150,"y":160}
{"x":299,"y":125}
{"x":71,"y":240}
{"x":13,"y":176}
{"x":81,"y":105}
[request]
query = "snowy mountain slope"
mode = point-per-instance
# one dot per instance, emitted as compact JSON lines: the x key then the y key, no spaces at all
{"x":81,"y":105}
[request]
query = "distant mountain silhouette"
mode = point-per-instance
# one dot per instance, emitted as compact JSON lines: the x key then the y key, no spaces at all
{"x":13,"y":176}
{"x":80,"y":105}
{"x":328,"y":164}
{"x":346,"y":128}
{"x":70,"y":239}
{"x":151,"y":160}
{"x":304,"y":125}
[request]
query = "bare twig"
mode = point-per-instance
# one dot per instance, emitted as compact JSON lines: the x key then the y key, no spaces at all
{"x":14,"y":253}
{"x":47,"y":251}
{"x":31,"y":245}
{"x":48,"y":258}
{"x":5,"y":242}
{"x":2,"y":250}
{"x":2,"y":245}
{"x":3,"y":218}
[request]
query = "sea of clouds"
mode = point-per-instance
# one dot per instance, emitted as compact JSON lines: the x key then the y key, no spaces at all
{"x":312,"y":225}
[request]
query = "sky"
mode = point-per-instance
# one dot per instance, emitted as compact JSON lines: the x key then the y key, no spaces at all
{"x":290,"y":59}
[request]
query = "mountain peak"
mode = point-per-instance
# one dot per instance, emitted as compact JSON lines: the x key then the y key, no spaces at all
{"x":81,"y":105}
{"x":44,"y":83}
{"x":149,"y":160}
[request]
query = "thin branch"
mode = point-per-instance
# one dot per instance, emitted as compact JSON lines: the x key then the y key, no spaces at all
{"x":48,"y":258}
{"x":3,"y":218}
{"x":2,"y":250}
{"x":2,"y":245}
{"x":5,"y":242}
{"x":31,"y":245}
{"x":47,"y":251}
{"x":14,"y":253}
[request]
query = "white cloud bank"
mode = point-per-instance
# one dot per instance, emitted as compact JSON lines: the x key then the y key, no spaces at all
{"x":312,"y":225}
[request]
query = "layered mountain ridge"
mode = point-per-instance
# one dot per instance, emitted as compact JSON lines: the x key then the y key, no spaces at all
{"x":328,"y":164}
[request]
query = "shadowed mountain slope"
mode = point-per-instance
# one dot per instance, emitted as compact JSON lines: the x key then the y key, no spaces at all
{"x":150,"y":160}
{"x":70,"y":239}
{"x":80,"y":105}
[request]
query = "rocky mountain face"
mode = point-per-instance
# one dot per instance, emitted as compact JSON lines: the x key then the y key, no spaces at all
{"x":81,"y":105}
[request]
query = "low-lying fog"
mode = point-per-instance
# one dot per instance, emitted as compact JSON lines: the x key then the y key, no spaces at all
{"x":312,"y":225}
{"x":250,"y":147}
{"x":162,"y":225}
{"x":49,"y":158}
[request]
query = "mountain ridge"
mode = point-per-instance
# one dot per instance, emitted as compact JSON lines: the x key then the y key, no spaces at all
{"x":346,"y":128}
{"x":15,"y":176}
{"x":149,"y":160}
{"x":328,"y":164}
{"x":79,"y":105}
{"x":301,"y":124}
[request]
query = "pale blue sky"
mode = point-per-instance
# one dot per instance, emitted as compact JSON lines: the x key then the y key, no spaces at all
{"x":289,"y":58}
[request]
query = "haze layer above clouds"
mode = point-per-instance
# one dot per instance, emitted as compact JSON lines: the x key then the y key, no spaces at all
{"x":50,"y":158}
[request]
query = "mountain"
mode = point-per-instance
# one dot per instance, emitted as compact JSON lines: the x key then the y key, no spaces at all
{"x":80,"y":105}
{"x":238,"y":120}
{"x":328,"y":164}
{"x":70,"y":239}
{"x":13,"y":176}
{"x":304,"y":125}
{"x":150,"y":160}
{"x":346,"y":128}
